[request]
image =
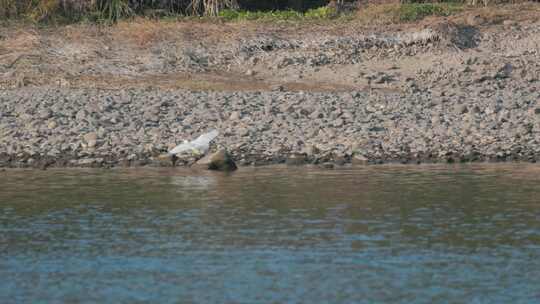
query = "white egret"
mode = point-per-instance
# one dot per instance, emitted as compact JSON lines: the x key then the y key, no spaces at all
{"x":198,"y":146}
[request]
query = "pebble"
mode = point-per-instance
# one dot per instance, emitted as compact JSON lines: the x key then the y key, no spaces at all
{"x":387,"y":126}
{"x":45,"y":114}
{"x":52,"y":124}
{"x":90,"y":139}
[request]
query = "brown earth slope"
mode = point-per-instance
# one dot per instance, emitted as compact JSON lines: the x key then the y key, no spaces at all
{"x":235,"y":56}
{"x":463,"y":88}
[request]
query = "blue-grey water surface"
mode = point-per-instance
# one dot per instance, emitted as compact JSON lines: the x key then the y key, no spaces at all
{"x":381,"y":234}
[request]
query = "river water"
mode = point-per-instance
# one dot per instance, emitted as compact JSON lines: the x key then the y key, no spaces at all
{"x":379,"y":234}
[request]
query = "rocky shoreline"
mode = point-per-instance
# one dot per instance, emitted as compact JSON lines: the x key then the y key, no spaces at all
{"x":52,"y":127}
{"x":461,"y":90}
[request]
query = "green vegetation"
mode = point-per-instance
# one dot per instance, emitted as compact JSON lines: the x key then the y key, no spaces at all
{"x":406,"y":12}
{"x":321,"y":13}
{"x":110,"y":11}
{"x":113,"y":10}
{"x":286,"y":15}
{"x":417,"y":11}
{"x":105,"y":10}
{"x":237,"y":15}
{"x":50,"y":10}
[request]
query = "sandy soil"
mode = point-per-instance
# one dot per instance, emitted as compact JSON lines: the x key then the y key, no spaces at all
{"x":352,"y":55}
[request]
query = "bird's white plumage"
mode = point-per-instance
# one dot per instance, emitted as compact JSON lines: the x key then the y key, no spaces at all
{"x":197,"y":146}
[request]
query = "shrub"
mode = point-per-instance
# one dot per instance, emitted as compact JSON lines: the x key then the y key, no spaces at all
{"x":112,"y":10}
{"x":44,"y":10}
{"x":285,"y":15}
{"x":211,"y":7}
{"x":324,"y":12}
{"x":417,"y":11}
{"x":231,"y":15}
{"x":8,"y":8}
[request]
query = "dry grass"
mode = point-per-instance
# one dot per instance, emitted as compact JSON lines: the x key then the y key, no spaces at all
{"x":378,"y":14}
{"x":8,"y":8}
{"x":107,"y":10}
{"x":111,"y":10}
{"x":383,"y":14}
{"x":51,"y":54}
{"x":20,"y":41}
{"x":143,"y":32}
{"x":517,"y":12}
{"x":37,"y":10}
{"x":389,"y":14}
{"x":211,"y":7}
{"x":45,"y":9}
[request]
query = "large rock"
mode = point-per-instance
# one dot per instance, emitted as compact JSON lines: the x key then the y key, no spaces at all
{"x":219,"y":161}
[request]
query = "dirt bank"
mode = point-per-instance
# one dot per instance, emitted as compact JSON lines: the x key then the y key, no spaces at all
{"x":463,"y":88}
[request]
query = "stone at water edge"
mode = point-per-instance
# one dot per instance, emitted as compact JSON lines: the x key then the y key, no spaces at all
{"x":296,"y":159}
{"x":166,"y":160}
{"x":219,"y":161}
{"x":359,"y":160}
{"x":327,"y":165}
